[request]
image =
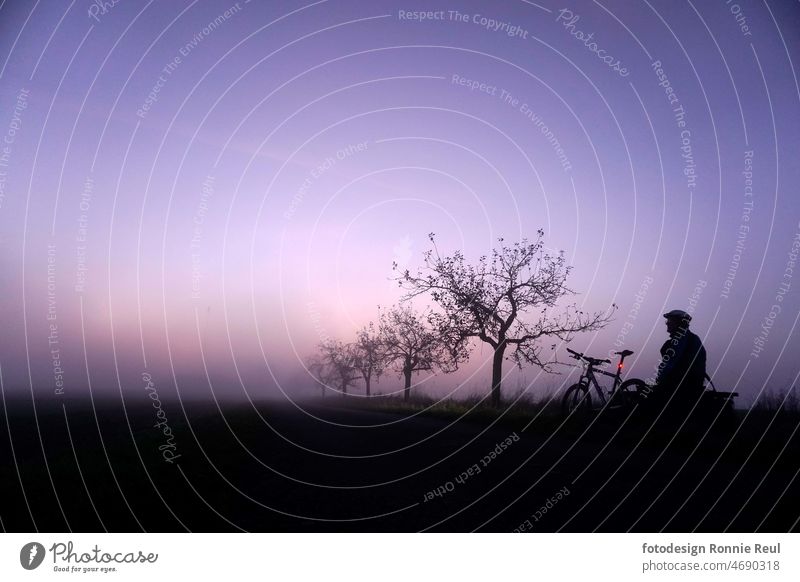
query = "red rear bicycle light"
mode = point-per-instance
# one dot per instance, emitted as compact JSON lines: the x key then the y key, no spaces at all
{"x":620,"y":366}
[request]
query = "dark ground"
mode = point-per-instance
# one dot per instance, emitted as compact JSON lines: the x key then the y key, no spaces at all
{"x":292,"y":472}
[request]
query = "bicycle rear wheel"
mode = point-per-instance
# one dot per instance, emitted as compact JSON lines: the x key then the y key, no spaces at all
{"x":577,"y":400}
{"x":632,"y":391}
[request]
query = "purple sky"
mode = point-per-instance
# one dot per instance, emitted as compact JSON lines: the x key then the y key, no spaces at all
{"x":239,"y":177}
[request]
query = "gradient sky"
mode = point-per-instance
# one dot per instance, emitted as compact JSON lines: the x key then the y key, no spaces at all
{"x":304,"y":147}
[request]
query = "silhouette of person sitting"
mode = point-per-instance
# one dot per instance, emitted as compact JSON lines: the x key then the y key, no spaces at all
{"x":682,"y":370}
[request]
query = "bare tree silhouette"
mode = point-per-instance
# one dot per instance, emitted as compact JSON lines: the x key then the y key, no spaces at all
{"x":415,"y":342}
{"x":369,"y":357}
{"x":488,"y":301}
{"x":338,"y":367}
{"x":319,"y":372}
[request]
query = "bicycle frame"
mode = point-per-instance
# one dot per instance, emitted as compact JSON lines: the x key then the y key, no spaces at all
{"x":578,"y":396}
{"x":588,"y":375}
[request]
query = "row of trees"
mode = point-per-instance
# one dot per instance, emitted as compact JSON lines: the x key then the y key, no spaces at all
{"x":404,"y":340}
{"x":509,"y":300}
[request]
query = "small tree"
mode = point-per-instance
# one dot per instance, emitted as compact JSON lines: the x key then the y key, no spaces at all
{"x":318,"y":371}
{"x":415,"y":342}
{"x":369,"y":354}
{"x":489,"y":301}
{"x":338,"y":363}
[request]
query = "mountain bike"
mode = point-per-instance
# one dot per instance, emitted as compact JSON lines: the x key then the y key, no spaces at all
{"x":578,"y":397}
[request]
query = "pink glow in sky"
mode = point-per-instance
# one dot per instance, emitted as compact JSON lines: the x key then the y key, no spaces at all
{"x":215,"y":187}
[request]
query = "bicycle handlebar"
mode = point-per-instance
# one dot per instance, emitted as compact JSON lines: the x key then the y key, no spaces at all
{"x":580,"y":356}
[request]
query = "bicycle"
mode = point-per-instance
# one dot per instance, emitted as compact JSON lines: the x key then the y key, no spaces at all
{"x":578,"y":398}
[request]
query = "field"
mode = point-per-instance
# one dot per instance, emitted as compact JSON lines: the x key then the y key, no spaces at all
{"x":351,"y":464}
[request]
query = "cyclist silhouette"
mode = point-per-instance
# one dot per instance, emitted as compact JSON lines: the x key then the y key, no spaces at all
{"x":682,"y":370}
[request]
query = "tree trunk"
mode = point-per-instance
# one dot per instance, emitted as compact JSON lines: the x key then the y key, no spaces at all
{"x":497,"y":372}
{"x":366,"y":381}
{"x":407,"y":389}
{"x":344,"y":388}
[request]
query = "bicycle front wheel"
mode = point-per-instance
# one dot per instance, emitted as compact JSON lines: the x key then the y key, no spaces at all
{"x":577,"y":400}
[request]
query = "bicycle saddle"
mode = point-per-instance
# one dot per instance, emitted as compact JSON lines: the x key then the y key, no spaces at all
{"x":624,"y":353}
